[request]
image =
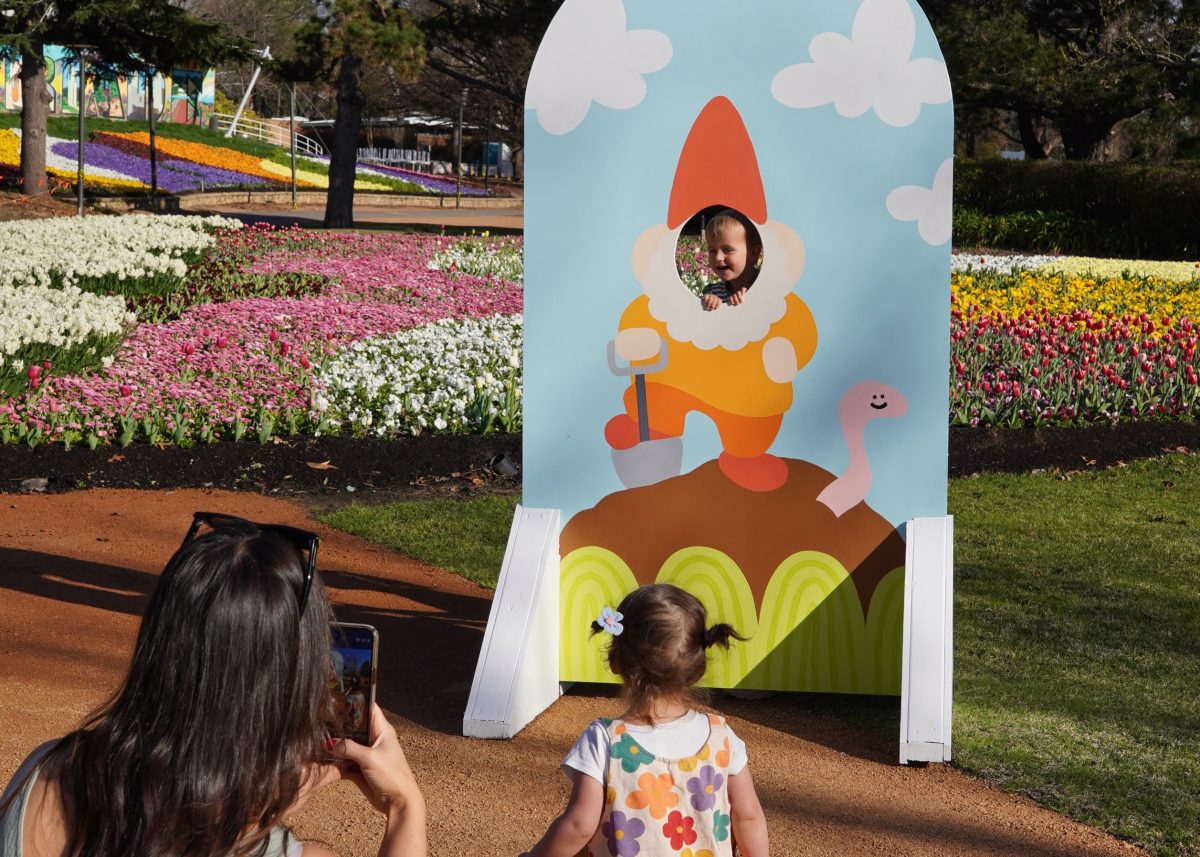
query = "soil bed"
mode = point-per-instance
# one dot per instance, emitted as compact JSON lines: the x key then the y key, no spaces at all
{"x":465,"y":465}
{"x":328,"y":466}
{"x":977,"y":450}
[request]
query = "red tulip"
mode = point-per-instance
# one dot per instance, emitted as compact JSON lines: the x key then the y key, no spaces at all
{"x":35,"y":372}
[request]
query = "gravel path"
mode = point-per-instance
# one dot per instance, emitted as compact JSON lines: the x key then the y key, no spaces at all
{"x":76,"y":570}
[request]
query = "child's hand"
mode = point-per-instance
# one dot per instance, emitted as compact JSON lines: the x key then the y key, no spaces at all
{"x":381,"y":770}
{"x":736,"y":298}
{"x":710,"y":302}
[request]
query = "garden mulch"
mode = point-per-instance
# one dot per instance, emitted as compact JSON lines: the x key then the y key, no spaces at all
{"x":466,"y":464}
{"x":76,"y":569}
{"x":17,"y":206}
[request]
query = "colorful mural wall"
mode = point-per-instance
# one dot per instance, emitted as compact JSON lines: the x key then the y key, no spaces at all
{"x":184,"y":95}
{"x":764,"y":449}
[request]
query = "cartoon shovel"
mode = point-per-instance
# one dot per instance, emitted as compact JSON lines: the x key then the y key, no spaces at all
{"x":648,"y":461}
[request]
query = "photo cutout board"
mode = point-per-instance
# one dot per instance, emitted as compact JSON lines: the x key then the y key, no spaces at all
{"x":764,"y":454}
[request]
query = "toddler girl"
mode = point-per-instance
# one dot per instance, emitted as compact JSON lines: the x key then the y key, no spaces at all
{"x":663,"y":778}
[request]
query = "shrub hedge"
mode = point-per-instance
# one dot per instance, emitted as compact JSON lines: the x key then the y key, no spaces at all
{"x":1094,"y":209}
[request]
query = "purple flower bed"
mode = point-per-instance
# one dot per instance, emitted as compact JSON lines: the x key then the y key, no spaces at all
{"x":173,"y":175}
{"x":437,"y":184}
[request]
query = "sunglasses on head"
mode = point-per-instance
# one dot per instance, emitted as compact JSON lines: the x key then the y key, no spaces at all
{"x":303,"y":541}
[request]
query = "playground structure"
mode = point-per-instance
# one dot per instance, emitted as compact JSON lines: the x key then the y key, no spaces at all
{"x":785,"y":459}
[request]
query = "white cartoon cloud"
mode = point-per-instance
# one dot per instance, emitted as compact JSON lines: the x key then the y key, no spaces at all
{"x":588,"y":55}
{"x":930,"y":207}
{"x":871,"y":69}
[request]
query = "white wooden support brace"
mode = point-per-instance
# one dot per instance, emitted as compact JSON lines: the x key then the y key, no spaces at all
{"x":516,"y":678}
{"x":927,"y":679}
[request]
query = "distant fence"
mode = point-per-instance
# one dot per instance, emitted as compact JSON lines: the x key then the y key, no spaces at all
{"x":274,"y":132}
{"x":416,"y":159}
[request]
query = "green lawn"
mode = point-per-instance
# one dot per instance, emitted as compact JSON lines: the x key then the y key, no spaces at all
{"x":1077,"y":631}
{"x":1077,"y":653}
{"x":466,"y":537}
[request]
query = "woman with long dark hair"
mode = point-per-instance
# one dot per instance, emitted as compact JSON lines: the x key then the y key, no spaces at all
{"x":220,"y":726}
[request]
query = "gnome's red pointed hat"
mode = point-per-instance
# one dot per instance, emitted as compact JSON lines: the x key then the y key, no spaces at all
{"x":717,"y":167}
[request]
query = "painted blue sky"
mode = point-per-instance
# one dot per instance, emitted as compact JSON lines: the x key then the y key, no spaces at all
{"x":878,"y":291}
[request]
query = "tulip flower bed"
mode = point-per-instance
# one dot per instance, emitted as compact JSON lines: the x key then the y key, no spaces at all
{"x":253,"y":341}
{"x":1038,"y":348}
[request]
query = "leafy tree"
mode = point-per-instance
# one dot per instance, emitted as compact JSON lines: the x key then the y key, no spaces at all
{"x":1084,"y":65}
{"x":122,"y":34}
{"x":486,"y":46}
{"x":262,"y":23}
{"x":337,"y":41}
{"x":166,"y":37}
{"x":26,"y":27}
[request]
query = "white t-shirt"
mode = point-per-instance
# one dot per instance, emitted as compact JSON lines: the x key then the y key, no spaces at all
{"x":675,"y":739}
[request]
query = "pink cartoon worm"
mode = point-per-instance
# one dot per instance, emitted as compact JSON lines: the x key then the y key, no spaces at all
{"x":869,"y":400}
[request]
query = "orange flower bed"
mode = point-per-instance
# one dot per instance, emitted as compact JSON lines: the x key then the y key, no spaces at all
{"x":211,"y":156}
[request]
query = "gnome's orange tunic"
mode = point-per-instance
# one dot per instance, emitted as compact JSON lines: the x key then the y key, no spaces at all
{"x":733,"y":387}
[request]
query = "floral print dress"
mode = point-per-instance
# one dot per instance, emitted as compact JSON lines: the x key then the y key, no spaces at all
{"x":670,"y":807}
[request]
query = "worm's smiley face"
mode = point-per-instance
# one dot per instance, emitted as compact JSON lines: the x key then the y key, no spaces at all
{"x":871,"y":400}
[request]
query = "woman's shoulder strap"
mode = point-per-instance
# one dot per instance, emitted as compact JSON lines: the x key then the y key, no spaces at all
{"x":32,"y":762}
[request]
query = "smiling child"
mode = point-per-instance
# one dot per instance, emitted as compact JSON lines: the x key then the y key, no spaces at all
{"x":734,"y":248}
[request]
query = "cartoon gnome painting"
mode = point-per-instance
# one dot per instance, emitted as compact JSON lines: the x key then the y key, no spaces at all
{"x":817,"y":574}
{"x":735,"y":364}
{"x":750,"y":452}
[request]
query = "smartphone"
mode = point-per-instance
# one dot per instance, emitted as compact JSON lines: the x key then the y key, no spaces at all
{"x":352,"y":680}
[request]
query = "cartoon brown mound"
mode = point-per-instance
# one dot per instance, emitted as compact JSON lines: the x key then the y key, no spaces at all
{"x":758,"y":531}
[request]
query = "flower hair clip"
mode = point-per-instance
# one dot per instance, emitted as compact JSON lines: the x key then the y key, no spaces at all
{"x":610,"y":622}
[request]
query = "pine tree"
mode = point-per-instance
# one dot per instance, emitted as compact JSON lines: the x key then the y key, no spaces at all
{"x":337,"y":41}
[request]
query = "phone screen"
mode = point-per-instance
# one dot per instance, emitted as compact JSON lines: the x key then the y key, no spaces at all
{"x":352,"y":681}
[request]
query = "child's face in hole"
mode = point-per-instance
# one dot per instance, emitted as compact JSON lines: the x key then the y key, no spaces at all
{"x":728,"y":254}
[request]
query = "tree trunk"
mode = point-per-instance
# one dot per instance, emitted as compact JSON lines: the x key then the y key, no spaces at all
{"x":35,"y":108}
{"x":339,"y":202}
{"x":1034,"y":150}
{"x":1083,"y":135}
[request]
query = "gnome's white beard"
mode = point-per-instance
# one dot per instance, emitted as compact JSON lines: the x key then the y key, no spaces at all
{"x":729,"y":327}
